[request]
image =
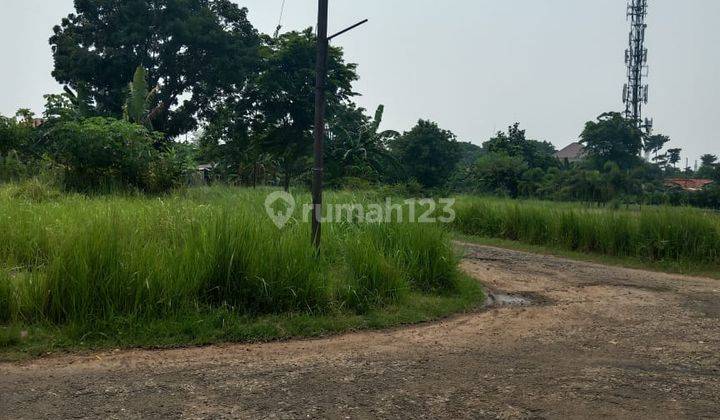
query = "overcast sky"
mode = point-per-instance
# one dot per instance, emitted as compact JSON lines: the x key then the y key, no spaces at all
{"x":474,"y":66}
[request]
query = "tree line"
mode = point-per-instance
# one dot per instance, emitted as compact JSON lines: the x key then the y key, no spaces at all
{"x":141,"y":75}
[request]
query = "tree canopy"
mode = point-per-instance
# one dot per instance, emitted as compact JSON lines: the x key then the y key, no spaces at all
{"x":612,"y":138}
{"x":536,"y":154}
{"x":428,"y":153}
{"x":275,"y":111}
{"x":194,"y":52}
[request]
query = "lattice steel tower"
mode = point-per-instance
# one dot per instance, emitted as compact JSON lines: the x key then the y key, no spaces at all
{"x":635,"y":94}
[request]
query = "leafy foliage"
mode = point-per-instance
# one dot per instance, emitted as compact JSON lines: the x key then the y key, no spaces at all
{"x":274,"y":114}
{"x":285,"y":94}
{"x":428,"y":153}
{"x":535,"y":154}
{"x":356,"y":148}
{"x":104,"y":153}
{"x":612,"y":138}
{"x":500,"y":173}
{"x":16,"y":134}
{"x":139,"y":100}
{"x":198,"y":48}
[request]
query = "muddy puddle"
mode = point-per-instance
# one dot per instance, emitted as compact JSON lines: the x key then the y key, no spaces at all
{"x":505,"y":299}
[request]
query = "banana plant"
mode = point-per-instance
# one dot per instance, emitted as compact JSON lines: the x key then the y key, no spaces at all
{"x":81,"y":100}
{"x":370,"y":145}
{"x":138,"y":107}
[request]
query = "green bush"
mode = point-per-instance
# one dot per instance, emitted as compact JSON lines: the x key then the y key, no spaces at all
{"x":107,"y":154}
{"x":171,"y":168}
{"x":16,"y":135}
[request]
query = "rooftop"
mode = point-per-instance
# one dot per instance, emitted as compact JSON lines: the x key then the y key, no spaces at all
{"x":573,"y":152}
{"x":688,"y":184}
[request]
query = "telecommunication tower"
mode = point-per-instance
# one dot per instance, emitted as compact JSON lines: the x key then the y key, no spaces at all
{"x":635,"y":94}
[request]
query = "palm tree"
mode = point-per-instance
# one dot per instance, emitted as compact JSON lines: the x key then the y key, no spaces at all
{"x":708,"y":159}
{"x":653,"y":144}
{"x":674,"y":156}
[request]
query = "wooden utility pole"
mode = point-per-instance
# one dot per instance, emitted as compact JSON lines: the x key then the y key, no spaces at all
{"x":323,"y":42}
{"x":320,"y":102}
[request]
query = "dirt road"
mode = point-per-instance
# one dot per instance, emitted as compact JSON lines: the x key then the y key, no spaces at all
{"x":601,"y":342}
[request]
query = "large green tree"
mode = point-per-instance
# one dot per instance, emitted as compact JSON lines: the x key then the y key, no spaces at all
{"x":270,"y":120}
{"x":708,"y":167}
{"x":283,"y":96}
{"x":428,"y":153}
{"x":194,"y":51}
{"x":612,"y":138}
{"x":499,"y":173}
{"x":536,"y":154}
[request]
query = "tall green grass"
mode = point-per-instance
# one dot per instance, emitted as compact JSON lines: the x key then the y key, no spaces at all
{"x":657,"y":234}
{"x":81,"y":261}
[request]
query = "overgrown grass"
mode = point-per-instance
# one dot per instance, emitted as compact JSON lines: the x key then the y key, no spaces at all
{"x":205,"y":266}
{"x":678,"y":236}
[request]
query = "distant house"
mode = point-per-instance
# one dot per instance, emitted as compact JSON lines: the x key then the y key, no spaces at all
{"x":574,"y":152}
{"x":688,"y":184}
{"x":204,"y":173}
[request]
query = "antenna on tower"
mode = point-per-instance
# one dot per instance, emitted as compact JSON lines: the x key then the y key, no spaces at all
{"x":635,"y":93}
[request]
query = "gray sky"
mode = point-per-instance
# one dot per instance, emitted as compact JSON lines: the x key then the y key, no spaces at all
{"x":474,"y":66}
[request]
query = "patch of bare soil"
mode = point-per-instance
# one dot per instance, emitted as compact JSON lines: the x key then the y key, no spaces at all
{"x":598,"y":341}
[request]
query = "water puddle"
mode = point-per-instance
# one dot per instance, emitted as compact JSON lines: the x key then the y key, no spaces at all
{"x":503,"y":299}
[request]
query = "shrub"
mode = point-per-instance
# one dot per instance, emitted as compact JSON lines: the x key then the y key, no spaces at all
{"x":172,"y":168}
{"x":101,"y":153}
{"x":15,"y":136}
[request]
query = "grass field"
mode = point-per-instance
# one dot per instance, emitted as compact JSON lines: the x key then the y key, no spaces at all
{"x":206,"y":266}
{"x":681,"y":239}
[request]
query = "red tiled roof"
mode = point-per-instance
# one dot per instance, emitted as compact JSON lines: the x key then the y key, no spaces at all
{"x":688,"y":184}
{"x":573,"y":152}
